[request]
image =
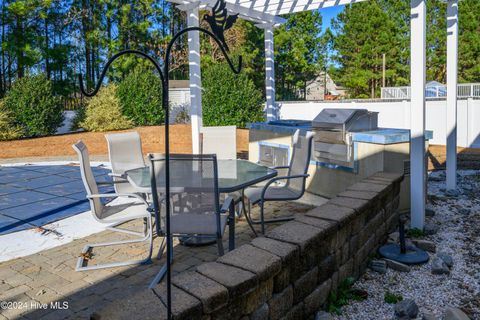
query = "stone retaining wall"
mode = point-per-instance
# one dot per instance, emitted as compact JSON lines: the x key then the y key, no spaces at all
{"x":289,"y":273}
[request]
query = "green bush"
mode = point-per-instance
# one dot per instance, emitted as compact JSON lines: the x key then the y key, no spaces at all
{"x":8,"y":131}
{"x":140,"y":95}
{"x":228,"y":98}
{"x":103,"y":112}
{"x":34,"y":107}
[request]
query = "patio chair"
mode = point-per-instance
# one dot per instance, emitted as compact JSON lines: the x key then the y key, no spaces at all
{"x":125,"y":153}
{"x":221,"y":141}
{"x":195,"y":212}
{"x":114,"y":215}
{"x":293,"y":187}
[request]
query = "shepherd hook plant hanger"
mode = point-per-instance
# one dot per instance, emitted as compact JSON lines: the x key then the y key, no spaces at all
{"x":219,"y":21}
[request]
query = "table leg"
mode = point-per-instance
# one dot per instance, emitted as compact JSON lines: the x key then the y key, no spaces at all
{"x":231,"y":227}
{"x":161,"y":274}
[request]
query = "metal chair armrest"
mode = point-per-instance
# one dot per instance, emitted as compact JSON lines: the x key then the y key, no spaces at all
{"x":280,"y":167}
{"x":118,"y":175}
{"x":119,"y":195}
{"x":226,"y":204}
{"x":281,"y":178}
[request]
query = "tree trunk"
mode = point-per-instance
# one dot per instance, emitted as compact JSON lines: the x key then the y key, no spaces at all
{"x":47,"y":45}
{"x":19,"y":50}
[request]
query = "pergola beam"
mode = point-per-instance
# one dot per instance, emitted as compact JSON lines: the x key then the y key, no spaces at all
{"x":277,"y":7}
{"x":417,"y":113}
{"x":270,"y":108}
{"x":244,"y":12}
{"x":452,"y":79}
{"x":196,"y":118}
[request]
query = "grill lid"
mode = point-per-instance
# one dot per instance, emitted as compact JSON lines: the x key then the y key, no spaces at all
{"x":336,"y":119}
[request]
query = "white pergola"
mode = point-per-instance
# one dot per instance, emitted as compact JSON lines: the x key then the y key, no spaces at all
{"x":264,"y":13}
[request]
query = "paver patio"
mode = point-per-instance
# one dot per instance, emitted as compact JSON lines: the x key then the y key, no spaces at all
{"x":49,"y":276}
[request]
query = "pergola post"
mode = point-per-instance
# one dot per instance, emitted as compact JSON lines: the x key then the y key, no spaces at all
{"x":452,"y":79}
{"x":195,"y":78}
{"x":417,"y":118}
{"x":270,"y":109}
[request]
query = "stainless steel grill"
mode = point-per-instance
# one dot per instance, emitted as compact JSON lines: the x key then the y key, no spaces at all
{"x":332,"y":133}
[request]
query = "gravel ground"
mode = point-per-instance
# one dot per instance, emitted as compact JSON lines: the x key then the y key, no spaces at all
{"x":458,"y":219}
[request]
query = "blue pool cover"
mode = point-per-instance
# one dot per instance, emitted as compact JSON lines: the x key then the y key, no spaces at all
{"x":32,"y":196}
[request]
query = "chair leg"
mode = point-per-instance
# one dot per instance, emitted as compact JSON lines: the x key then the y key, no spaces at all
{"x":163,"y":271}
{"x":249,"y":221}
{"x":161,"y":249}
{"x":262,"y":217}
{"x":82,"y":259}
{"x":113,"y":227}
{"x":220,"y":245}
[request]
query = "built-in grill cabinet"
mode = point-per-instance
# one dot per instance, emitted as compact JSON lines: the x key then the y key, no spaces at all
{"x":333,"y":142}
{"x":272,"y":156}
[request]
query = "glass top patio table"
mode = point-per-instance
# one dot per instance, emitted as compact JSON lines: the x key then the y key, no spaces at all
{"x":233,"y":175}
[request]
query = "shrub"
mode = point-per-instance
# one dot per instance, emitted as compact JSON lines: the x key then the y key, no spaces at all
{"x":34,"y":107}
{"x":228,"y":98}
{"x":103,"y":112}
{"x":8,"y":131}
{"x":140,"y":95}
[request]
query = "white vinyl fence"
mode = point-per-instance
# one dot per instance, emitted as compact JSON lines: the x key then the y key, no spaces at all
{"x":397,"y":115}
{"x":464,"y":90}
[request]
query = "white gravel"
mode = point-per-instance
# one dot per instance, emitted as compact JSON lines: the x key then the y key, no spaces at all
{"x":459,"y":236}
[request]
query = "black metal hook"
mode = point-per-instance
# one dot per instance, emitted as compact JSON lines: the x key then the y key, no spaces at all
{"x":165,"y":98}
{"x":109,"y":63}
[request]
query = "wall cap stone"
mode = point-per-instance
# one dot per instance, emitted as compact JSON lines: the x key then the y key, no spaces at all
{"x":332,"y":212}
{"x":284,"y":250}
{"x":297,"y":233}
{"x":237,"y":281}
{"x":212,"y":294}
{"x":250,"y":258}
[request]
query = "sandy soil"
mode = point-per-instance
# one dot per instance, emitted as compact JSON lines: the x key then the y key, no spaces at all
{"x":152,"y":141}
{"x":468,"y":158}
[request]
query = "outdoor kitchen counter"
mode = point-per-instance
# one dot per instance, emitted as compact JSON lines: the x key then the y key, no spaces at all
{"x":379,"y":136}
{"x":386,"y":136}
{"x":368,"y":151}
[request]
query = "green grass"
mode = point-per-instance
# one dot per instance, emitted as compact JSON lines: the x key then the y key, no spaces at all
{"x":341,"y":297}
{"x":415,"y":233}
{"x":392,"y":298}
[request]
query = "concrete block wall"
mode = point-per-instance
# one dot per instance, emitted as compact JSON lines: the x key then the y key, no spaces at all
{"x":289,"y":273}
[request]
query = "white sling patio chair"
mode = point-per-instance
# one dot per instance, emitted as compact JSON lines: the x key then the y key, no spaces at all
{"x":125,"y":153}
{"x":221,"y":141}
{"x":113,"y":215}
{"x":293,"y":187}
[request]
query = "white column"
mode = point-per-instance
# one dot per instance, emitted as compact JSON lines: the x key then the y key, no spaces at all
{"x":195,"y":78}
{"x":417,"y":114}
{"x":270,"y":110}
{"x":452,"y":63}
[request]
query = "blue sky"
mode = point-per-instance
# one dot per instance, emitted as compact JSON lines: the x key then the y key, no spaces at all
{"x":328,"y":14}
